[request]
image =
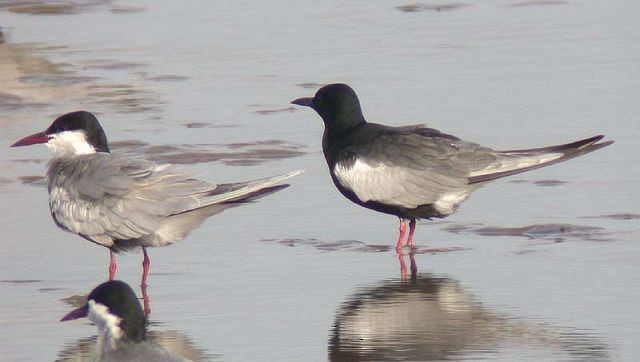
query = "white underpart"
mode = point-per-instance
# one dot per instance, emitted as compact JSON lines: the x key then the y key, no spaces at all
{"x":449,"y":201}
{"x":109,"y":331}
{"x":360,"y":177}
{"x":70,"y":143}
{"x":515,"y":162}
{"x":389,"y":185}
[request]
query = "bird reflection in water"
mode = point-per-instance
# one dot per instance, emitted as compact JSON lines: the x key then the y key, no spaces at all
{"x":432,"y":318}
{"x":122,"y":330}
{"x":403,"y":265}
{"x":176,"y":342}
{"x":79,"y":300}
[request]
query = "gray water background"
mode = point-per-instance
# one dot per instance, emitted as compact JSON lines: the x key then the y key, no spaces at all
{"x":542,"y":265}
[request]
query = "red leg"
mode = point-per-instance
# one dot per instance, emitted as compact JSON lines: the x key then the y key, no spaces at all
{"x":145,"y":267}
{"x":403,"y":266}
{"x":145,"y":300}
{"x":112,"y":265}
{"x":412,"y":229}
{"x":402,"y":229}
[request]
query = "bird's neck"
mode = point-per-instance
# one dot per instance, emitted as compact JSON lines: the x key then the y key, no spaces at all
{"x":336,"y":139}
{"x":344,"y":122}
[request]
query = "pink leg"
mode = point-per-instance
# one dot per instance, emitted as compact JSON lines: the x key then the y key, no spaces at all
{"x":145,"y":300}
{"x":402,"y":229}
{"x":112,"y":265}
{"x":145,"y":267}
{"x":412,"y":229}
{"x":403,"y":266}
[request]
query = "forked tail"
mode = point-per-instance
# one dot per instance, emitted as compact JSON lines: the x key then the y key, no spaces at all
{"x":512,"y":162}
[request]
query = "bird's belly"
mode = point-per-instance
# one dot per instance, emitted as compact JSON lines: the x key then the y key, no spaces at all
{"x":426,"y":211}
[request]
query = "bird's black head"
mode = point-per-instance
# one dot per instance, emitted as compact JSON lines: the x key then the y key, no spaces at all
{"x":75,"y":121}
{"x":81,"y":121}
{"x":120,"y":301}
{"x":337,"y":104}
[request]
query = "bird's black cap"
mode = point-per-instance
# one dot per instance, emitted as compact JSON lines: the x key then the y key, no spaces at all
{"x":121,"y":301}
{"x":85,"y":121}
{"x":337,"y":104}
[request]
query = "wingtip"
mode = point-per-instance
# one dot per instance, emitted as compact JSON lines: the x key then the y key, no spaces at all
{"x":595,"y":141}
{"x":591,"y":140}
{"x":591,"y":143}
{"x":286,"y":176}
{"x":292,"y":174}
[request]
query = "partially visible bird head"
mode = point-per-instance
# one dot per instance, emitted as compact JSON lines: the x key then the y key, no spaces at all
{"x":74,"y":133}
{"x":115,"y":310}
{"x":337,"y":104}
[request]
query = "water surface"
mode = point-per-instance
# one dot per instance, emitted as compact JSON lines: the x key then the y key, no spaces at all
{"x":543,"y":265}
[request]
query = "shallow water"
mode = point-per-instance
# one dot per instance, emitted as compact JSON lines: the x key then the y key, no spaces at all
{"x":543,"y":265}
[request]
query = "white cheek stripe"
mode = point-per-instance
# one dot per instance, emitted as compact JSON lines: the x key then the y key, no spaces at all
{"x":107,"y":323}
{"x":70,"y":143}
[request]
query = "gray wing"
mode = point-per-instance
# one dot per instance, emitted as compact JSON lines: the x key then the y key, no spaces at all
{"x":409,"y":169}
{"x":105,"y":197}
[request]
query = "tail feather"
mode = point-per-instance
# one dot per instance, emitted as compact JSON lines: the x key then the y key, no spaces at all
{"x":513,"y":162}
{"x":238,"y":192}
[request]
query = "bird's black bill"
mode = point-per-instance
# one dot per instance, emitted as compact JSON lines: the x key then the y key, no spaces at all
{"x":306,"y":102}
{"x":76,"y":313}
{"x":34,"y":139}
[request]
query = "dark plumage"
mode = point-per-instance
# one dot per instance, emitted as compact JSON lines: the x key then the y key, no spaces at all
{"x":122,"y":326}
{"x":414,"y":172}
{"x":120,"y":301}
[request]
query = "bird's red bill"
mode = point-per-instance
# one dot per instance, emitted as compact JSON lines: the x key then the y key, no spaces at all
{"x":34,"y":139}
{"x":76,"y":313}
